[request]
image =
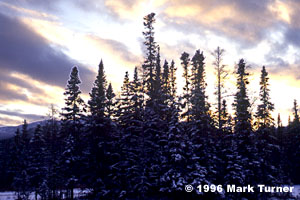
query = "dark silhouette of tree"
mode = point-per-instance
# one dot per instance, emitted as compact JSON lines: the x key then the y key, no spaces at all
{"x":200,"y":106}
{"x":185,"y":62}
{"x":71,"y":130}
{"x":151,"y":52}
{"x":221,"y":75}
{"x":37,"y":168}
{"x":295,"y":112}
{"x":98,"y":94}
{"x":241,"y":101}
{"x":110,"y":95}
{"x":21,"y":181}
{"x":265,"y":108}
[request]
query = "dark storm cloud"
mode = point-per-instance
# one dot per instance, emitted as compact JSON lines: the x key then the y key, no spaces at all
{"x":24,"y":51}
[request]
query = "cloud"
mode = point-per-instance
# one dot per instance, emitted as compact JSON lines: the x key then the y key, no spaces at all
{"x":238,"y":20}
{"x":5,"y":121}
{"x":18,"y":113}
{"x":292,"y":36}
{"x":17,"y":10}
{"x":44,"y":5}
{"x":115,"y":48}
{"x":8,"y":94}
{"x":26,"y":52}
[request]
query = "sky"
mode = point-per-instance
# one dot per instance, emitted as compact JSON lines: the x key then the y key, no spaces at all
{"x":40,"y":41}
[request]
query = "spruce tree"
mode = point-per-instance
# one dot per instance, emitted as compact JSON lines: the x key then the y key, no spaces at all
{"x":172,"y":78}
{"x":137,"y":95}
{"x":295,"y":112}
{"x":156,"y":102}
{"x":241,"y":101}
{"x":99,"y":136}
{"x":21,"y":181}
{"x":226,"y":120}
{"x":264,"y":109}
{"x":110,"y":95}
{"x":185,"y":62}
{"x":166,"y":79}
{"x":74,"y":105}
{"x":279,"y":122}
{"x":200,"y":106}
{"x":124,"y":104}
{"x":73,"y":113}
{"x":151,"y":52}
{"x":37,"y":167}
{"x":98,"y":94}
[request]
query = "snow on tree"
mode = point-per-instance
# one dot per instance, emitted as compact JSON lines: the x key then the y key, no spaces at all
{"x":37,"y":168}
{"x":74,"y":105}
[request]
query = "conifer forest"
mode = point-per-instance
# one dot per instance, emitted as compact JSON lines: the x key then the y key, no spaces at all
{"x":150,"y":141}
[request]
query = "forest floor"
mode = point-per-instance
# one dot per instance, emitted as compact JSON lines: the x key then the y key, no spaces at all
{"x":10,"y":195}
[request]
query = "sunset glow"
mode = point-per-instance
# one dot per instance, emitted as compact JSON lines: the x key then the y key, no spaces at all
{"x":61,"y":34}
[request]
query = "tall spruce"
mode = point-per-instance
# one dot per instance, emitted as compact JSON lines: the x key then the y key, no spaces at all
{"x":200,"y":106}
{"x":71,"y":131}
{"x":74,"y":104}
{"x":151,"y":52}
{"x":98,"y":94}
{"x":241,"y":101}
{"x":265,"y":108}
{"x":185,"y":62}
{"x":124,"y":104}
{"x":110,"y":95}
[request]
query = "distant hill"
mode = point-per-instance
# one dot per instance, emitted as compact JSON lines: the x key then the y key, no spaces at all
{"x":7,"y":132}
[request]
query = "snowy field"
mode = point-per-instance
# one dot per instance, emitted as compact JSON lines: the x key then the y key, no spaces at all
{"x":11,"y":195}
{"x":77,"y":193}
{"x":296,"y":192}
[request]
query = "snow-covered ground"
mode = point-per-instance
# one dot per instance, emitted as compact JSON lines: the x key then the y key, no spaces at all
{"x":78,"y":192}
{"x":12,"y":195}
{"x":296,"y":192}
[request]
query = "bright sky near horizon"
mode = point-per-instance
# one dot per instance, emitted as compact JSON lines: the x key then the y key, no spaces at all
{"x":40,"y":41}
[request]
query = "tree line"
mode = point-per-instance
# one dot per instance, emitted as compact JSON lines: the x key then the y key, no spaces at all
{"x":149,"y":142}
